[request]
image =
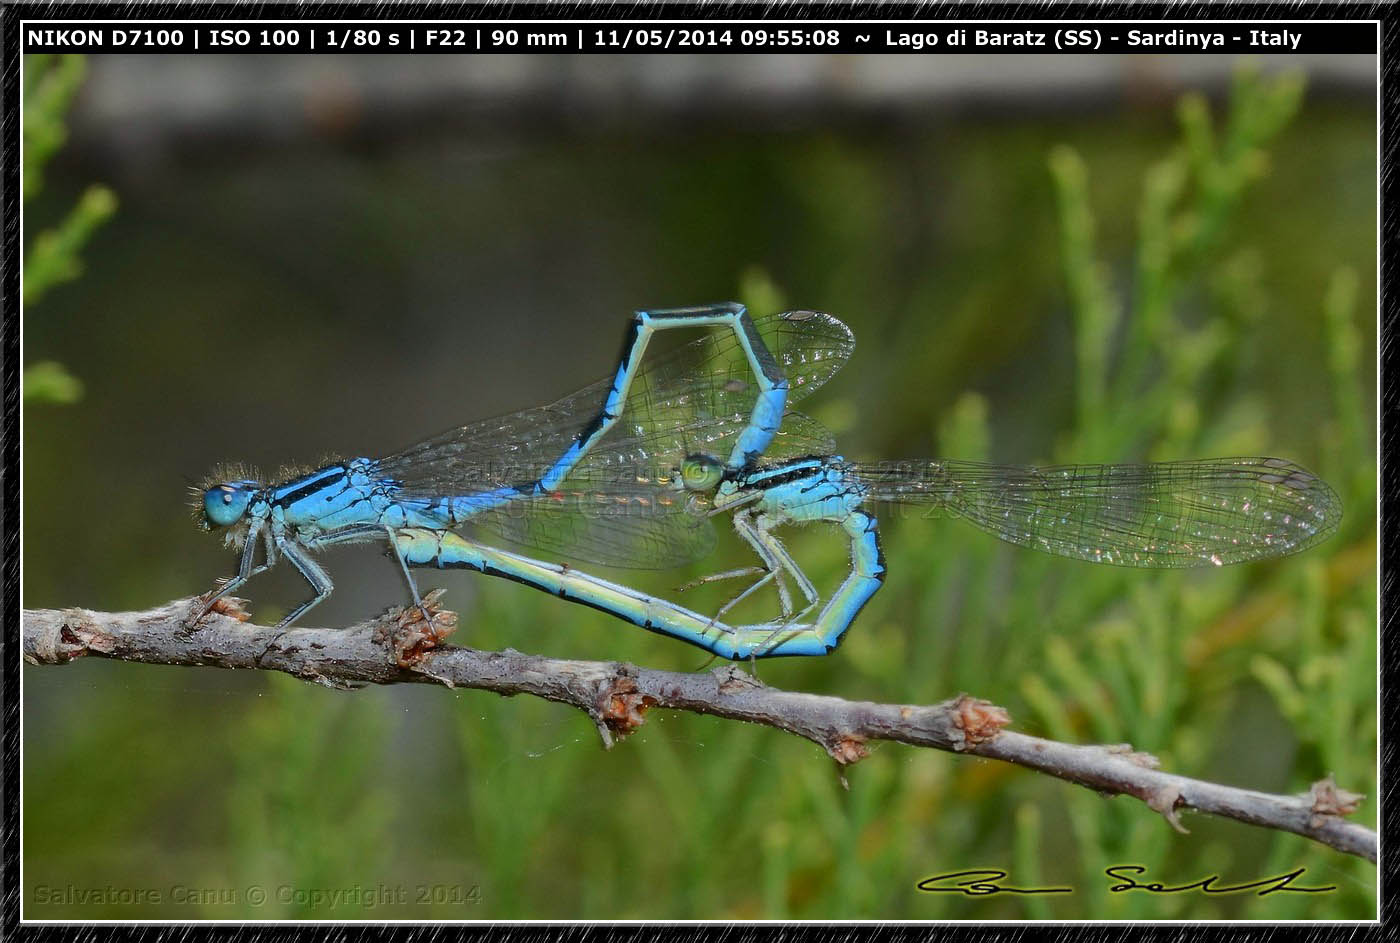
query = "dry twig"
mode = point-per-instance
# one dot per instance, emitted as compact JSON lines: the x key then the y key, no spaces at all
{"x":406,"y":646}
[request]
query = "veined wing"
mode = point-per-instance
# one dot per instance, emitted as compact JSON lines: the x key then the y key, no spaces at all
{"x":708,"y":380}
{"x":1171,"y":514}
{"x":621,"y":506}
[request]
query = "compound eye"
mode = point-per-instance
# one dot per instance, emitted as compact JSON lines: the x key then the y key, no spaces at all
{"x":701,"y":472}
{"x":225,"y":504}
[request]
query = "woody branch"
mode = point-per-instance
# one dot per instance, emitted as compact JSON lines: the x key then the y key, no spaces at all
{"x":407,"y":646}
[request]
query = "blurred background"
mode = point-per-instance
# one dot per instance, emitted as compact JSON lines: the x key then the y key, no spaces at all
{"x":272,"y":260}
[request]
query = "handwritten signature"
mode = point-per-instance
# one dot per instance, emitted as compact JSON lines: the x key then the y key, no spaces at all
{"x":1264,"y":886}
{"x":983,"y":882}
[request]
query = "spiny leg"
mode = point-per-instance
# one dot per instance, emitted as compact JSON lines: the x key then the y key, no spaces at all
{"x":744,"y":526}
{"x":718,"y":577}
{"x":756,"y":529}
{"x":403,"y":567}
{"x":764,"y":533}
{"x":315,"y":575}
{"x":742,"y":522}
{"x":756,"y":584}
{"x":246,"y":570}
{"x":408,"y":577}
{"x":731,"y":509}
{"x":358,"y":532}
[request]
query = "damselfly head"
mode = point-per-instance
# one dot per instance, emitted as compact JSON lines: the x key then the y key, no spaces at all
{"x":222,"y":499}
{"x":701,"y":472}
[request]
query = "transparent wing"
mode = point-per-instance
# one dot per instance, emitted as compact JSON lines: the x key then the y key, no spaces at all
{"x":705,"y":382}
{"x":646,"y":531}
{"x":1172,"y":514}
{"x":621,"y":507}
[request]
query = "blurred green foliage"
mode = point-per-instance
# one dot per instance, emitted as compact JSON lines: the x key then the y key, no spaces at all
{"x":1186,"y":280}
{"x":52,"y":259}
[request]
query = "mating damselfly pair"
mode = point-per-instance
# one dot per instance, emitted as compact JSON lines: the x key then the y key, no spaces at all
{"x":629,"y":472}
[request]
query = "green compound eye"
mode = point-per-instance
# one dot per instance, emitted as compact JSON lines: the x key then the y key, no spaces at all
{"x":701,"y":472}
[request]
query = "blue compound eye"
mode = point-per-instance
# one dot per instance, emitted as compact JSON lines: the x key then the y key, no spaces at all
{"x":225,"y":504}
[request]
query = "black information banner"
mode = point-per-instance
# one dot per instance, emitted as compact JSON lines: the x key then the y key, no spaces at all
{"x":1050,"y":37}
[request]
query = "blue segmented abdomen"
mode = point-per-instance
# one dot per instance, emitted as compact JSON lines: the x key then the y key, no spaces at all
{"x":758,"y":435}
{"x":560,"y":470}
{"x":447,"y":550}
{"x":866,"y":576}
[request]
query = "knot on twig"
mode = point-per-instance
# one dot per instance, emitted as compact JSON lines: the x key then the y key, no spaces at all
{"x":1325,"y":799}
{"x":976,"y":721}
{"x":621,"y":708}
{"x":68,"y":638}
{"x":847,"y":749}
{"x":1164,"y":801}
{"x":413,"y":631}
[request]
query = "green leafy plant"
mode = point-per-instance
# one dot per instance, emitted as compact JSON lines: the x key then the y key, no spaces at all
{"x":54,"y":256}
{"x":1147,"y":665}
